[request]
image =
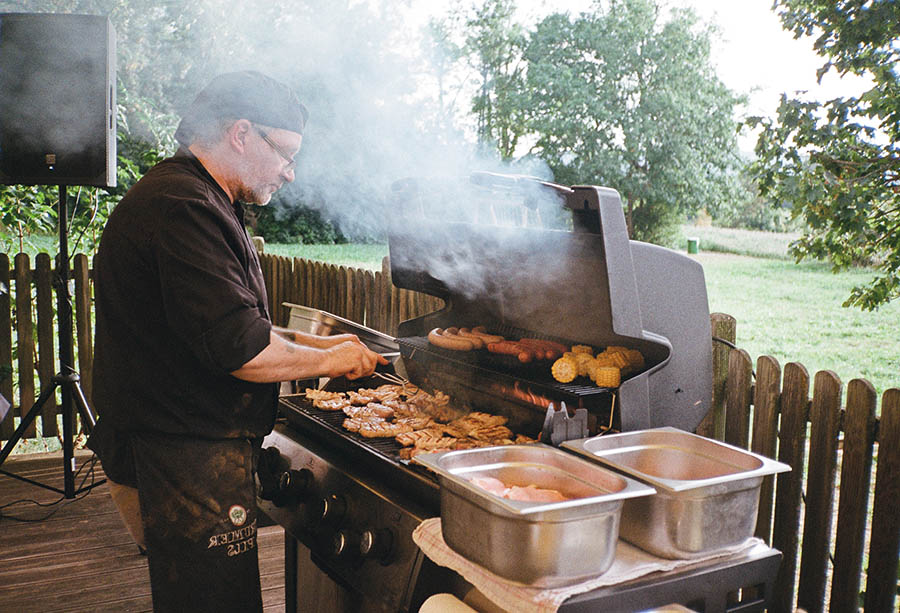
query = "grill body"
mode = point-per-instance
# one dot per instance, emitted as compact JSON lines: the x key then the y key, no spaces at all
{"x":589,"y":284}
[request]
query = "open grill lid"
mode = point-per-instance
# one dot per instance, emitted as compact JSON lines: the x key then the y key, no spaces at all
{"x":591,"y":286}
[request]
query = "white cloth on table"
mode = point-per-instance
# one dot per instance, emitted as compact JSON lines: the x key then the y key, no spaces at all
{"x":629,"y":563}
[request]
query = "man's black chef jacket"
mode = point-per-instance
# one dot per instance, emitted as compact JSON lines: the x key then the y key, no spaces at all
{"x":180,"y":303}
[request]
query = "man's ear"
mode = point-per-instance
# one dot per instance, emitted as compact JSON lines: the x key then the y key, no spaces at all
{"x":236,"y":136}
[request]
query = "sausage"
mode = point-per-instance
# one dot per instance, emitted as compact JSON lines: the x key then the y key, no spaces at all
{"x":551,"y":349}
{"x":480,"y":333}
{"x":456,"y":343}
{"x":476,"y":341}
{"x":523,"y":353}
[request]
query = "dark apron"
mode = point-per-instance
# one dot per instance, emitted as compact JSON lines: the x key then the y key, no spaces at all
{"x":198,"y":502}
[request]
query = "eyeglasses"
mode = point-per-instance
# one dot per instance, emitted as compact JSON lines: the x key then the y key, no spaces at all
{"x":291,"y":162}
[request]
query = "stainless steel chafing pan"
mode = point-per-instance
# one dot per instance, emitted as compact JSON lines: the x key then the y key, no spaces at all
{"x":707,"y":491}
{"x":532,"y":543}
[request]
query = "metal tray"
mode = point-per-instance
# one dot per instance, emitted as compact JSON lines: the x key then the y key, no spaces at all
{"x":707,"y":491}
{"x":541,"y":544}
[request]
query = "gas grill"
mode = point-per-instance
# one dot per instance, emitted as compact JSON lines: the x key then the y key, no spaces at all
{"x":351,"y":503}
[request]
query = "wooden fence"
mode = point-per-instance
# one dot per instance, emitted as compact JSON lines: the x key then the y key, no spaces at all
{"x":30,"y":363}
{"x":828,"y":515}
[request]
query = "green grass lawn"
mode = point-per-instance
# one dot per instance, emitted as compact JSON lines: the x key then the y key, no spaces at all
{"x":793,"y":312}
{"x":790,"y":311}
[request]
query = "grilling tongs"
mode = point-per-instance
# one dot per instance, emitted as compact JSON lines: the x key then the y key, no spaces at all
{"x":559,"y":427}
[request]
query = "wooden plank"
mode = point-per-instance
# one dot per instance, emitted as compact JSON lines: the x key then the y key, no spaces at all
{"x":884,"y":545}
{"x":275,"y":282}
{"x":274,"y":290}
{"x":370,"y":299}
{"x":312,"y":281}
{"x":387,"y":293}
{"x":296,"y":286}
{"x":825,"y":419}
{"x":322,"y":288}
{"x":286,"y":274}
{"x":334,"y":290}
{"x":737,"y":399}
{"x":267,"y":276}
{"x":6,"y":364}
{"x":345,"y":295}
{"x":24,"y":337}
{"x":856,"y":470}
{"x":378,"y":303}
{"x":789,"y":487}
{"x":766,"y":401}
{"x":81,"y":558}
{"x":359,"y":295}
{"x":315,"y":278}
{"x":304,"y":281}
{"x":43,"y":280}
{"x":83,"y":327}
{"x":396,"y":305}
{"x":723,"y":327}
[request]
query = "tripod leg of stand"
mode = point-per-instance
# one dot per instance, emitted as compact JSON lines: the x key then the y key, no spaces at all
{"x":88,"y":421}
{"x":27,"y":420}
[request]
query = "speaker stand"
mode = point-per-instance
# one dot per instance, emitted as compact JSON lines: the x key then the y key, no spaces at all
{"x":67,"y":379}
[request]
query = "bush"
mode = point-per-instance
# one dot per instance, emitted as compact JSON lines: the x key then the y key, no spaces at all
{"x":657,"y":225}
{"x":282,"y":223}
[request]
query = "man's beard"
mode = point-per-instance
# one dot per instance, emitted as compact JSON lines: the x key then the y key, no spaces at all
{"x":249,"y":195}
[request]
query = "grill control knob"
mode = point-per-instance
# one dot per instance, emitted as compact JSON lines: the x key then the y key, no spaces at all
{"x":293,"y":487}
{"x":345,"y":544}
{"x":376,"y":544}
{"x":333,"y":508}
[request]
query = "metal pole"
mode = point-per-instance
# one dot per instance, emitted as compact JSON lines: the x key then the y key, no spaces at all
{"x":66,"y":359}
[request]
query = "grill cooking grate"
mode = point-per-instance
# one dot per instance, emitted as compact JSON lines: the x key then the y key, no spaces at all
{"x":535,"y":375}
{"x":333,"y":421}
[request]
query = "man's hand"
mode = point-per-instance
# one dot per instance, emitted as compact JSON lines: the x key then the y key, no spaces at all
{"x":304,"y":356}
{"x":352,"y":359}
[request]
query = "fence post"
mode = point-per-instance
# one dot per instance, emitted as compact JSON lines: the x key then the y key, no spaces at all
{"x":24,"y":338}
{"x":724,"y":327}
{"x":825,"y":419}
{"x":884,"y":543}
{"x":83,"y":328}
{"x":789,"y":486}
{"x":766,"y":402}
{"x":856,"y":468}
{"x":6,"y":376}
{"x":43,"y":281}
{"x":737,"y":399}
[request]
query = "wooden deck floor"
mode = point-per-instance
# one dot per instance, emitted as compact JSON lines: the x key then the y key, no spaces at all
{"x":77,"y":555}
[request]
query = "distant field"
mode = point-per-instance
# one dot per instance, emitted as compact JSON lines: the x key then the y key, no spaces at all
{"x":741,"y":242}
{"x":789,"y":311}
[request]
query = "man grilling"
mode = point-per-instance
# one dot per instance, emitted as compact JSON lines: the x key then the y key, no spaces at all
{"x":187,"y":360}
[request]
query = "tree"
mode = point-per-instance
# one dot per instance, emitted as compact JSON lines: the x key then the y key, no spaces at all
{"x":494,"y":45}
{"x":622,"y":97}
{"x":837,"y":162}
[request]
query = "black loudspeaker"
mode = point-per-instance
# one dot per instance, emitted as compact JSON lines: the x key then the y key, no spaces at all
{"x":57,"y":99}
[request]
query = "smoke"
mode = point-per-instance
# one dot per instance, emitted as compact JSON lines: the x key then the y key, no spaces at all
{"x":375,"y":118}
{"x":359,"y":68}
{"x":360,"y":72}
